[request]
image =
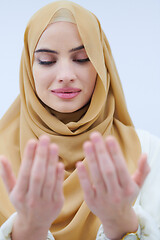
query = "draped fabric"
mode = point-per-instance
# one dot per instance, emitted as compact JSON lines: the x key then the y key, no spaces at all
{"x":106,"y":112}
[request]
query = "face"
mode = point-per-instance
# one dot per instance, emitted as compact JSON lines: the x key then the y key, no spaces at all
{"x":63,"y":74}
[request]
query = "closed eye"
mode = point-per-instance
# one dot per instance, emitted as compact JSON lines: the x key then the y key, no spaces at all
{"x":46,"y":62}
{"x":53,"y":62}
{"x":81,"y":60}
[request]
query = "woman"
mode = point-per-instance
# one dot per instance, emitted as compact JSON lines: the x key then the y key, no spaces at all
{"x":71,"y":96}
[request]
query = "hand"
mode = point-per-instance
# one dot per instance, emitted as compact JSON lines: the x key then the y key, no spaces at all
{"x":37,"y":194}
{"x":109,"y":190}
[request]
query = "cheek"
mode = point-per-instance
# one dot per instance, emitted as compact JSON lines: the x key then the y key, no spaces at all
{"x":93,"y":75}
{"x":89,"y":81}
{"x":91,"y":78}
{"x":41,"y":78}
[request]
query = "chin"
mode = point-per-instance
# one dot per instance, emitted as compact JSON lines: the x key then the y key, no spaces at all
{"x":66,"y":111}
{"x":63,"y":109}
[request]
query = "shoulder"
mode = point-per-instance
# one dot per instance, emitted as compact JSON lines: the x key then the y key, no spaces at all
{"x":147,"y":205}
{"x":150,"y":145}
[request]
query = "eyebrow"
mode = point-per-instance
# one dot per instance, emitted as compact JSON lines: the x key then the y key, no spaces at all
{"x":76,"y":49}
{"x":53,"y":51}
{"x":46,"y":50}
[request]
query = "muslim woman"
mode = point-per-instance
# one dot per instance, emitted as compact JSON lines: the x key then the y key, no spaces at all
{"x":73,"y":166}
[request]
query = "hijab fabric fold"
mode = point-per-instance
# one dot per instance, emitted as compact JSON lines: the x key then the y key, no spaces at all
{"x":106,"y":112}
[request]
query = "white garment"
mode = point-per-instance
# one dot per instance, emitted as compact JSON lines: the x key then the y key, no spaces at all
{"x":147,"y":206}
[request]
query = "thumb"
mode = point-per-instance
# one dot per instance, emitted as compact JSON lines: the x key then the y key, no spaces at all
{"x":143,"y":170}
{"x":7,"y":174}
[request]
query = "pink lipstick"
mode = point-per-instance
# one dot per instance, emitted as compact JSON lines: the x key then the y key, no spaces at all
{"x":66,"y":93}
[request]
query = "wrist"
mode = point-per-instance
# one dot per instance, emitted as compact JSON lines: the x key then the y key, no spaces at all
{"x":117,"y":228}
{"x":22,"y":230}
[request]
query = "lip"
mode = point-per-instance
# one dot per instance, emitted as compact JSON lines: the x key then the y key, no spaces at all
{"x":66,"y":93}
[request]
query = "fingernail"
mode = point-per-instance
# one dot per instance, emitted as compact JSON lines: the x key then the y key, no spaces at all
{"x":87,"y":147}
{"x":95,"y":135}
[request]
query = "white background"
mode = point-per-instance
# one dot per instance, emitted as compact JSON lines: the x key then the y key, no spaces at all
{"x":133,"y":30}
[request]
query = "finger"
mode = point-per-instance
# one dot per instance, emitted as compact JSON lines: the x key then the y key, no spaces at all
{"x":119,"y":161}
{"x":26,"y":166}
{"x":105,"y":163}
{"x":50,"y":177}
{"x":142,"y":171}
{"x":7,"y":174}
{"x":57,"y":194}
{"x":96,"y":176}
{"x":39,"y":167}
{"x":89,"y":193}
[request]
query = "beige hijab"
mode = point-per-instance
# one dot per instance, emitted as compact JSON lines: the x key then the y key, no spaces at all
{"x":29,"y":118}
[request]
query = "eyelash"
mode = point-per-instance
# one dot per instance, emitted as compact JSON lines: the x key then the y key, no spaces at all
{"x":46,"y":62}
{"x":81,"y":61}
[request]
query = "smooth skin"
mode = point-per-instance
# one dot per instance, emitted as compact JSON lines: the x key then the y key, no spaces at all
{"x":109,"y":191}
{"x":37,"y":194}
{"x":66,"y":68}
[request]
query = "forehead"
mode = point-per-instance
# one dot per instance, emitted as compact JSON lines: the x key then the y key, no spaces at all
{"x":60,"y":33}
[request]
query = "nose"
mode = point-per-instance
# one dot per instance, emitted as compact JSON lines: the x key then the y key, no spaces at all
{"x":66,"y":72}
